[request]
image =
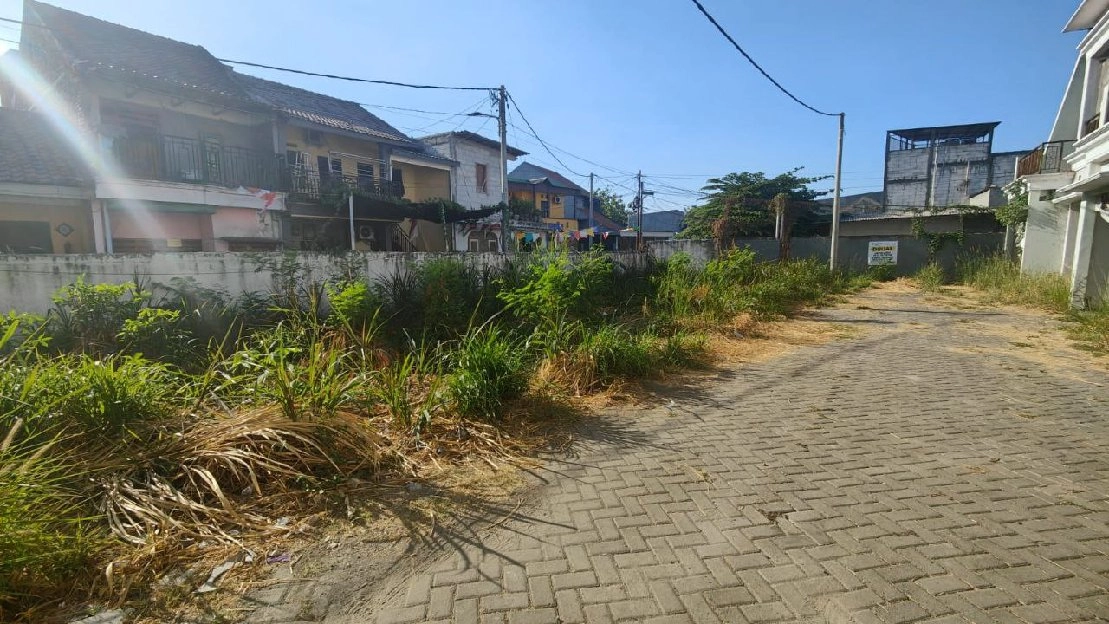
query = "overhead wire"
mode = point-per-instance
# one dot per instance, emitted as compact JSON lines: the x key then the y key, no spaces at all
{"x":537,"y":138}
{"x":754,"y":64}
{"x":303,"y":72}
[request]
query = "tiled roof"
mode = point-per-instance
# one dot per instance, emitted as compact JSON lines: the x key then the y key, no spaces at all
{"x":473,"y":137}
{"x":33,"y":152}
{"x":319,"y":109}
{"x":95,"y":45}
{"x":525,"y":171}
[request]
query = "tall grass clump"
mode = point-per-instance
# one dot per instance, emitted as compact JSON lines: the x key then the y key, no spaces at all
{"x":1090,"y":328}
{"x":1004,"y":282}
{"x":487,"y":368}
{"x":45,"y":536}
{"x":930,"y":278}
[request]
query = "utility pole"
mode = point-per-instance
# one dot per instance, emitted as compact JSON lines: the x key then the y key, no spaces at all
{"x":589,"y":245}
{"x":639,"y":209}
{"x":834,"y":259}
{"x":350,"y":205}
{"x":503,"y":127}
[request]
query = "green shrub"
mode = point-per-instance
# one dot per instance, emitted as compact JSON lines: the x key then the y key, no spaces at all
{"x":353,"y":304}
{"x":882,"y":272}
{"x":158,"y":335}
{"x":88,"y":317}
{"x":451,"y":291}
{"x":487,"y":367}
{"x":22,"y":332}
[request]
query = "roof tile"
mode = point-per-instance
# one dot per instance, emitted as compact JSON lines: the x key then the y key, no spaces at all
{"x":94,"y":44}
{"x":33,"y":152}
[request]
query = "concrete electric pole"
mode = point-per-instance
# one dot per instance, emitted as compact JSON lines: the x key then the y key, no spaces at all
{"x":502,"y":124}
{"x":589,"y":245}
{"x":833,"y":260}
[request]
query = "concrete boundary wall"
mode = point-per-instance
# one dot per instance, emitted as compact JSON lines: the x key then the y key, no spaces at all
{"x":911,"y":257}
{"x":27,"y":282}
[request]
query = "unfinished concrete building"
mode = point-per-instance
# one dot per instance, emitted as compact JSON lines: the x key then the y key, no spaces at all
{"x":944,"y":166}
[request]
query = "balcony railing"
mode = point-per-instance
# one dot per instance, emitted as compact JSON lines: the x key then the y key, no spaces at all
{"x":178,"y":159}
{"x":307,"y":184}
{"x":1047,"y":158}
{"x":1092,"y":124}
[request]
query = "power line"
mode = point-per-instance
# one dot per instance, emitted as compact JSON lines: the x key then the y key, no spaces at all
{"x":586,"y":160}
{"x":302,"y":72}
{"x":349,"y":78}
{"x":536,"y":135}
{"x":750,"y":60}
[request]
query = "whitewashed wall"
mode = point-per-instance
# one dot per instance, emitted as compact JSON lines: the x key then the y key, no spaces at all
{"x":27,"y":282}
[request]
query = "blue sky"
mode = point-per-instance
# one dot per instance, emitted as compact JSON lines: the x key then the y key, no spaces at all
{"x":651,"y":85}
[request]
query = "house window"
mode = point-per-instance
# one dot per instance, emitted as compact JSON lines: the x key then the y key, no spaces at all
{"x":365,"y":176}
{"x":398,"y":175}
{"x":482,"y":173}
{"x":323,"y":167}
{"x":337,"y":166}
{"x":545,"y":206}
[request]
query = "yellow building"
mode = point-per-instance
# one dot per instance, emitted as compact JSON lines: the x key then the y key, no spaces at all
{"x":561,"y":204}
{"x":333,"y":147}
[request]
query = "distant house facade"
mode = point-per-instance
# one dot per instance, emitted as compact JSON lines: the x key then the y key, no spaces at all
{"x":1067,"y":179}
{"x":941,"y":166}
{"x":476,"y":184}
{"x":333,"y":149}
{"x":186,"y":154}
{"x":562,"y":205}
{"x":182,"y":159}
{"x":947,"y":177}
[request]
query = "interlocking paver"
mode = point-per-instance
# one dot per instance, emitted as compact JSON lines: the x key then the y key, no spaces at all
{"x":924,"y":470}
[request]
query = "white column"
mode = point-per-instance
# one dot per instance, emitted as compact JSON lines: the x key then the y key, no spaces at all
{"x":1083,"y":243}
{"x":1068,"y":239}
{"x":96,"y":207}
{"x":1089,"y":93}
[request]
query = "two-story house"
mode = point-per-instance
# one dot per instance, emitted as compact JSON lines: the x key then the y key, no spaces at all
{"x":330,"y":149}
{"x":476,"y":183}
{"x":183,"y":160}
{"x":562,"y":204}
{"x":1067,"y":177}
{"x":189,"y":155}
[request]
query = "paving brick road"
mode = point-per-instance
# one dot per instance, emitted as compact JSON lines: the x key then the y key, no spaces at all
{"x":941,"y":466}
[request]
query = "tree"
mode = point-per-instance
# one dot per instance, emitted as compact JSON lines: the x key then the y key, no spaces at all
{"x":748,"y":194}
{"x":611,"y":205}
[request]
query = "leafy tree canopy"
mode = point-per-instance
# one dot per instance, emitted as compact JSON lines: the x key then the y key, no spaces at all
{"x":749,"y":194}
{"x":612,"y":205}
